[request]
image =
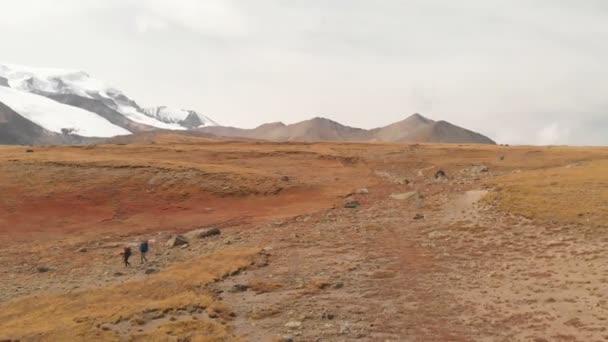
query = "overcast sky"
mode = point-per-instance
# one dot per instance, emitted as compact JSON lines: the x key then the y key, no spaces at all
{"x":519,"y":71}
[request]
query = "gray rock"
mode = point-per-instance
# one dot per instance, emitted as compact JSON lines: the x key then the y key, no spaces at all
{"x":435,"y":235}
{"x":344,"y":328}
{"x":439,"y":175}
{"x":284,"y":179}
{"x":287,"y":338}
{"x":177,"y":240}
{"x":352,"y":204}
{"x":202,"y":233}
{"x":82,"y":250}
{"x":293,"y":325}
{"x":362,"y":191}
{"x":151,"y":271}
{"x":43,"y":269}
{"x":405,"y":195}
{"x":478,"y":169}
{"x":328,"y":315}
{"x":239,"y":288}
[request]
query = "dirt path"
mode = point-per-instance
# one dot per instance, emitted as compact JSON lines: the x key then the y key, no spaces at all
{"x":463,"y":273}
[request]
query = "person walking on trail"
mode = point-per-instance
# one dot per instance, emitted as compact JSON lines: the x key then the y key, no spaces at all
{"x":126,"y":254}
{"x":143,"y":249}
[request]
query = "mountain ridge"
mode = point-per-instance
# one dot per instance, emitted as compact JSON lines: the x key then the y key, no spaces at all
{"x":77,"y":89}
{"x":415,"y":128}
{"x":63,"y":106}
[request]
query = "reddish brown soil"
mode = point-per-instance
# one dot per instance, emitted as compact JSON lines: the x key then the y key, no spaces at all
{"x":462,"y":271}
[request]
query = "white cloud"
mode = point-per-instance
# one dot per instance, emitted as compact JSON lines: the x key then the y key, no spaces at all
{"x":146,"y":22}
{"x":509,"y":69}
{"x":33,"y":13}
{"x":553,"y":134}
{"x":208,"y":17}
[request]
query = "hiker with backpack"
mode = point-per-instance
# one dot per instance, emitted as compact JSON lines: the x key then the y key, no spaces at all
{"x":126,"y":254}
{"x":143,"y":249}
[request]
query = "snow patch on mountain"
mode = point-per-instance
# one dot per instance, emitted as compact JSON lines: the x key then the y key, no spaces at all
{"x":57,"y":117}
{"x":188,"y":118}
{"x":141,"y":117}
{"x":57,"y":81}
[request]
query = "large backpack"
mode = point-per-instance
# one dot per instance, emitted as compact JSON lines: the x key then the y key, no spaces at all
{"x":143,"y":247}
{"x":127,"y":251}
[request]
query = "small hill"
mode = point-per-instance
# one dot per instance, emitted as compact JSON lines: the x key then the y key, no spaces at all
{"x":418,"y":128}
{"x":400,"y":131}
{"x":316,"y":129}
{"x":415,"y":128}
{"x":321,"y":129}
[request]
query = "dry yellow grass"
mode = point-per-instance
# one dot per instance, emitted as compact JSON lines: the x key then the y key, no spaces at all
{"x":575,"y":193}
{"x":78,"y":316}
{"x":264,"y":286}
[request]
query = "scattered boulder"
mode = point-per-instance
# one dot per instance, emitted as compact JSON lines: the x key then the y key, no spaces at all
{"x":177,"y":240}
{"x":239,"y":288}
{"x":338,"y":285}
{"x":405,"y":195}
{"x":344,"y":328}
{"x":418,"y":217}
{"x":501,"y":158}
{"x":439,"y":175}
{"x":82,"y":250}
{"x":435,"y":235}
{"x":352,"y":204}
{"x":118,"y":274}
{"x":43,"y":269}
{"x":29,"y":151}
{"x":328,"y":315}
{"x":293,"y":325}
{"x":203,"y":233}
{"x":151,"y":271}
{"x":362,"y":191}
{"x":284,"y":179}
{"x":478,"y":169}
{"x":287,"y":338}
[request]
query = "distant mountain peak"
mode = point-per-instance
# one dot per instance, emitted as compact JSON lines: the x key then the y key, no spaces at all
{"x":321,"y":119}
{"x":419,"y":118}
{"x":184,"y":117}
{"x":415,"y":128}
{"x":272,"y":124}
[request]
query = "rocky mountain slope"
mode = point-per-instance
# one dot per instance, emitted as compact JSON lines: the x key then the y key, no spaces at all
{"x":415,"y":128}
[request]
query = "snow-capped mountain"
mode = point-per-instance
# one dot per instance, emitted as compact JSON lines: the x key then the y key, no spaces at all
{"x":57,"y":117}
{"x":183,"y":117}
{"x":72,"y":101}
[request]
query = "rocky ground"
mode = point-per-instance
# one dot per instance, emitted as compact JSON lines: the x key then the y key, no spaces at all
{"x":419,"y":260}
